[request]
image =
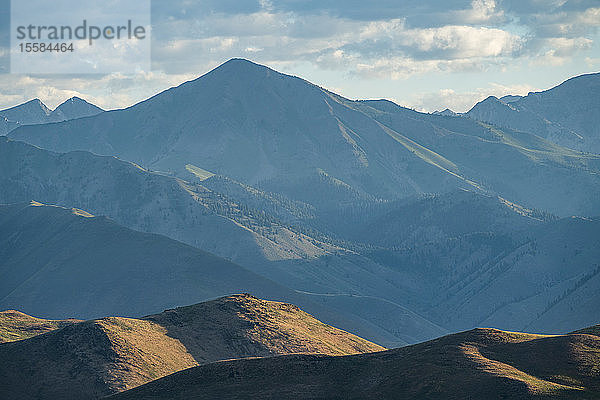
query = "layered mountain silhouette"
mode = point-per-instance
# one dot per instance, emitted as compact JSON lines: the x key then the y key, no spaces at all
{"x":35,"y":112}
{"x":95,"y":358}
{"x":478,"y":364}
{"x":282,"y":134}
{"x":426,"y":261}
{"x":566,"y":114}
{"x":396,"y":225}
{"x":59,"y":263}
{"x":195,"y":215}
{"x":471,"y":260}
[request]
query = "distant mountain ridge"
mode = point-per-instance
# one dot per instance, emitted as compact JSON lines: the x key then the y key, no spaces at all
{"x":35,"y":112}
{"x":314,"y":146}
{"x":566,"y":114}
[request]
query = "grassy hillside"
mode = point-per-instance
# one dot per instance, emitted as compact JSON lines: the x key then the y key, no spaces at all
{"x":478,"y":364}
{"x":98,"y":357}
{"x":15,"y":325}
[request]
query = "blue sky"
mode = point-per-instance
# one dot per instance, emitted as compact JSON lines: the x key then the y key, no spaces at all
{"x":422,"y":54}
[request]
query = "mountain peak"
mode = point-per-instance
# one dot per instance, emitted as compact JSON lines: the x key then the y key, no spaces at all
{"x":32,"y":111}
{"x":490,"y":99}
{"x":72,"y":100}
{"x":485,"y":106}
{"x":33,"y":104}
{"x":240,"y":67}
{"x":35,"y":112}
{"x":447,"y":112}
{"x":241,"y":63}
{"x":74,"y":108}
{"x":251,"y":323}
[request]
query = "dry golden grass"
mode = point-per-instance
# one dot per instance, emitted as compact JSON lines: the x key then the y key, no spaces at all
{"x":478,"y":364}
{"x":245,"y":326}
{"x":108,"y":355}
{"x":592,"y":330}
{"x":15,"y":325}
{"x":143,"y":352}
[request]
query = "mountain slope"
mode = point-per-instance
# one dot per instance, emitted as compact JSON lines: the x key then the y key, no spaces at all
{"x":548,"y":284}
{"x":60,"y":262}
{"x":15,"y":325}
{"x":114,"y":353}
{"x":566,"y":114}
{"x":314,"y":146}
{"x":558,"y":180}
{"x":74,"y":108}
{"x":479,"y":364}
{"x":147,"y":201}
{"x":30,"y":112}
{"x":43,"y":249}
{"x":434,"y":217}
{"x":467,"y":259}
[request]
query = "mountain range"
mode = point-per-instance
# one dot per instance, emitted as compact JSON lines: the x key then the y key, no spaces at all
{"x":35,"y":112}
{"x":460,"y":244}
{"x":566,"y":114}
{"x":282,"y":134}
{"x":399,"y":226}
{"x":152,"y":202}
{"x":349,"y":239}
{"x":279,"y":351}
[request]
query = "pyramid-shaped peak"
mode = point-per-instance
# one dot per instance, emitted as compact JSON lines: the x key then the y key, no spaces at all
{"x":491,"y":99}
{"x":242,"y":64}
{"x":31,"y":112}
{"x":241,"y":67}
{"x":73,"y":108}
{"x":33,"y":104}
{"x":75,"y":99}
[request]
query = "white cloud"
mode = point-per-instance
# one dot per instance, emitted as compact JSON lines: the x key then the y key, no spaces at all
{"x":558,"y":51}
{"x":481,"y":11}
{"x":463,"y":41}
{"x":387,"y":39}
{"x":402,"y":67}
{"x":593,"y":62}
